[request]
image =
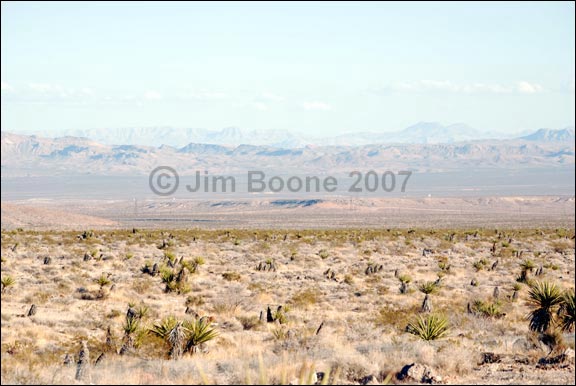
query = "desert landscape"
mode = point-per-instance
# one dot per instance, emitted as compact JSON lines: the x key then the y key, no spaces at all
{"x":346,"y":306}
{"x":287,"y":193}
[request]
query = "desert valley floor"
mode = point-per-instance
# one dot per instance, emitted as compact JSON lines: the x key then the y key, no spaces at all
{"x":287,"y":299}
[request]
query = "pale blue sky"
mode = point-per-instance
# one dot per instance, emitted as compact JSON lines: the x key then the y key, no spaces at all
{"x":309,"y":67}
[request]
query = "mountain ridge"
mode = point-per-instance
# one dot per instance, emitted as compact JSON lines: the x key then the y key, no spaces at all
{"x":29,"y":155}
{"x":421,"y":132}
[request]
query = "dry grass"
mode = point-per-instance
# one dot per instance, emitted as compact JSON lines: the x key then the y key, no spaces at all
{"x":363,"y":314}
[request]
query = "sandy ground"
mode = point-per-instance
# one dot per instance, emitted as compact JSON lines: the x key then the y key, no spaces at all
{"x":517,"y":211}
{"x":321,"y":278}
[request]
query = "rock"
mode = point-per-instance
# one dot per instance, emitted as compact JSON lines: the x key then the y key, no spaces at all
{"x":131,"y":313}
{"x":369,"y":380}
{"x":569,"y":355}
{"x":417,"y":372}
{"x":522,"y":345}
{"x":490,"y":357}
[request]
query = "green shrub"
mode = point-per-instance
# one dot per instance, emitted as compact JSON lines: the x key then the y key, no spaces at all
{"x":430,"y":327}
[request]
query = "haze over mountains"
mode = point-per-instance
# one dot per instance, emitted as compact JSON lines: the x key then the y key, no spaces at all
{"x":420,"y":133}
{"x":24,"y":155}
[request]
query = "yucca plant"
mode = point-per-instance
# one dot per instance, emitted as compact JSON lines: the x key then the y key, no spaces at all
{"x":527,"y":266}
{"x":404,"y":278}
{"x":430,"y":327}
{"x":429,"y":287}
{"x":163,"y":328}
{"x":199,"y":331}
{"x":130,"y":325}
{"x":566,"y":312}
{"x":545,"y":297}
{"x":103,"y":280}
{"x":142,"y":311}
{"x":168,"y":277}
{"x":7,"y":282}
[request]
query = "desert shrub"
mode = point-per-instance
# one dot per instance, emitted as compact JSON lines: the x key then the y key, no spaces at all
{"x":231,"y":276}
{"x":305,"y":298}
{"x":279,"y":333}
{"x":194,"y":301}
{"x":248,"y":322}
{"x":487,"y":309}
{"x":561,"y":245}
{"x":480,"y":264}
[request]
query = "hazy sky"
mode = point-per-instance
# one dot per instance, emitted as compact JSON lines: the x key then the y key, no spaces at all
{"x":310,"y":67}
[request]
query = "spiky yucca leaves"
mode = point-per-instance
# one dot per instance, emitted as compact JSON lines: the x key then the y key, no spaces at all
{"x":7,"y":282}
{"x":405,"y":278}
{"x":430,"y":327}
{"x":429,"y":287}
{"x":184,"y":336}
{"x":168,"y":277}
{"x":566,"y":313}
{"x":103,"y":280}
{"x":163,"y":328}
{"x":131,"y":325}
{"x":198,"y":332}
{"x":545,"y":297}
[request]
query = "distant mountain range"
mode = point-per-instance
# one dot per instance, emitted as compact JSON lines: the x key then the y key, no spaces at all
{"x":24,"y":155}
{"x":420,"y":133}
{"x":547,"y":135}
